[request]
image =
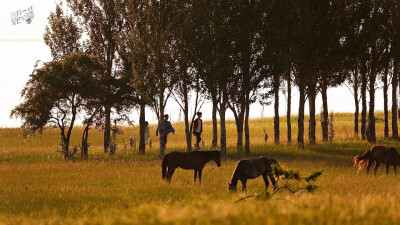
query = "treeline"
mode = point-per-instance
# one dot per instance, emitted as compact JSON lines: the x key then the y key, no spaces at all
{"x":112,"y":56}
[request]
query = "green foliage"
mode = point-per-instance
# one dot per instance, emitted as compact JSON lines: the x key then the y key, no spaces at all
{"x":313,"y":176}
{"x":287,"y":175}
{"x":56,"y":93}
{"x":63,"y":34}
{"x":311,"y":187}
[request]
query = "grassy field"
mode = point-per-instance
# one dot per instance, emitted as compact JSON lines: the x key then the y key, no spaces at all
{"x":38,"y":186}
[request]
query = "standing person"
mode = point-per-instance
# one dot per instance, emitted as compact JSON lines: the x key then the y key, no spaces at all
{"x":198,"y":129}
{"x":147,"y":137}
{"x":167,"y":129}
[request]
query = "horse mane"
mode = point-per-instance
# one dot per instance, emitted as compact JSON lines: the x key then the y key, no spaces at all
{"x":361,"y":161}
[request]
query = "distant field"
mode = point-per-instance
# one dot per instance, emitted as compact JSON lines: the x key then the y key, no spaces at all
{"x":38,"y":186}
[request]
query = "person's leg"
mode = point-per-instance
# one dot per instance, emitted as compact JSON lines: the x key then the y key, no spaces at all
{"x":198,"y":139}
{"x":165,"y":140}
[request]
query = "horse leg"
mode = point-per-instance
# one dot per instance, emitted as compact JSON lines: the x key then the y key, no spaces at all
{"x":395,"y":169}
{"x":195,"y":175}
{"x":170,"y":173}
{"x":265,"y":177}
{"x":244,"y":188}
{"x":387,"y":168}
{"x":271,"y":177}
{"x":369,"y":165}
{"x":376,"y":167}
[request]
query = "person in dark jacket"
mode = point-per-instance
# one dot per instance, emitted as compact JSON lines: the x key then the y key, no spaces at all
{"x":167,"y":129}
{"x":198,"y":129}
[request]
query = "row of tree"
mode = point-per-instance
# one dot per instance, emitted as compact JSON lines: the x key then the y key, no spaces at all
{"x":114,"y":55}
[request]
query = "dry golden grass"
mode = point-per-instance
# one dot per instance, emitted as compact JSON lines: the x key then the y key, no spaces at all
{"x":38,"y":186}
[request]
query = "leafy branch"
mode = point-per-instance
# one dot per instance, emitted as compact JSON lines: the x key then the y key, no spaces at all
{"x":287,"y":177}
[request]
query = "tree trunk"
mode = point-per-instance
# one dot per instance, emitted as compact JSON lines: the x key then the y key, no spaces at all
{"x":161,"y":125}
{"x":239,"y":130}
{"x":385,"y":101}
{"x":300,"y":134}
{"x":65,"y":145}
{"x":312,"y":121}
{"x":84,"y":143}
{"x":356,"y":103}
{"x":107,"y":128}
{"x":222,"y":111}
{"x":188,"y":132}
{"x":276,"y":109}
{"x":246,"y":126}
{"x":395,"y":133}
{"x":289,"y":105}
{"x":324,"y":121}
{"x":239,"y":121}
{"x":371,"y":113}
{"x":69,"y":132}
{"x":142,"y":128}
{"x":65,"y":139}
{"x":364,"y":102}
{"x":214,"y":122}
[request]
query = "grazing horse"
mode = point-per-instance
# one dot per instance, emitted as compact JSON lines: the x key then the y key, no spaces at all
{"x":195,"y":160}
{"x":250,"y":169}
{"x":379,"y":154}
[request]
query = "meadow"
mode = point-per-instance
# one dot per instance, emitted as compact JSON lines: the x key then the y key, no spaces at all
{"x":38,"y":186}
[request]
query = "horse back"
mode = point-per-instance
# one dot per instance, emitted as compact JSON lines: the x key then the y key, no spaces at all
{"x":378,"y":149}
{"x":186,"y":160}
{"x":378,"y":153}
{"x":387,"y":155}
{"x":252,"y":168}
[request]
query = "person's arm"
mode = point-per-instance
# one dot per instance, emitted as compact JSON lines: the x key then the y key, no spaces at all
{"x":201,"y":121}
{"x":171,"y":128}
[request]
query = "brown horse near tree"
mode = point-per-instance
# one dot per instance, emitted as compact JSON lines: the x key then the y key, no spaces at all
{"x":378,"y":154}
{"x":250,"y":169}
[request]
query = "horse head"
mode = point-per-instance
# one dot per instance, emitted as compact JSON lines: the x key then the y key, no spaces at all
{"x":232,"y":187}
{"x":217,"y":158}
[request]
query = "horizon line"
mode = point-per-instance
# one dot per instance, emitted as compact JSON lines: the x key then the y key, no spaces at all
{"x":20,"y":40}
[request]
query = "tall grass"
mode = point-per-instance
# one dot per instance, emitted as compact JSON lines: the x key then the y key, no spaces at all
{"x":37,"y":186}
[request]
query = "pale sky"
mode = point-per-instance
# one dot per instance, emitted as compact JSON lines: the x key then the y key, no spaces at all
{"x":22,"y":45}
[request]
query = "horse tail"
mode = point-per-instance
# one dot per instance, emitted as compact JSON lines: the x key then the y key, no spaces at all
{"x":164,"y":167}
{"x":361,"y":161}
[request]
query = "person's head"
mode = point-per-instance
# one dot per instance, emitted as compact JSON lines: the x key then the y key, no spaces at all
{"x":146,"y":123}
{"x":199,"y":114}
{"x":166,"y":116}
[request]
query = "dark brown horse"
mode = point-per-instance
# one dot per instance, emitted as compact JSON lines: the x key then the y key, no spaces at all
{"x":378,"y":154}
{"x":195,"y":160}
{"x":250,"y":169}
